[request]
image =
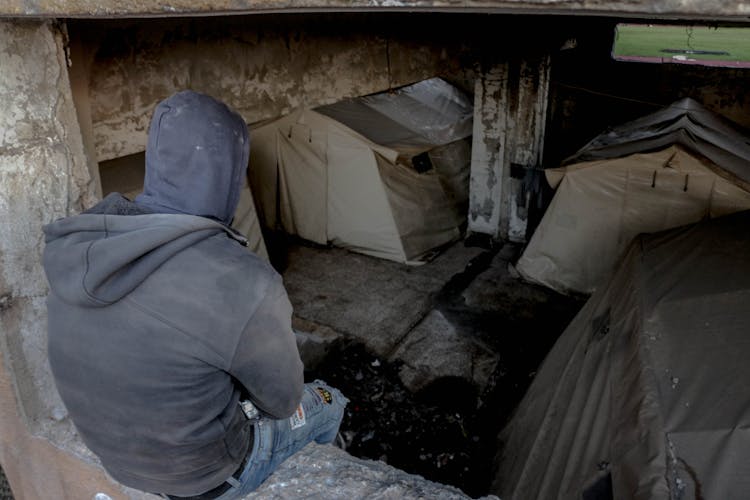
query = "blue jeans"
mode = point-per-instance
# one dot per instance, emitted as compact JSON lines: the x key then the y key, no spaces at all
{"x":276,"y":440}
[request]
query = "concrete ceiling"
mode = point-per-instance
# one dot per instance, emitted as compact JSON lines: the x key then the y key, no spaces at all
{"x":707,"y":10}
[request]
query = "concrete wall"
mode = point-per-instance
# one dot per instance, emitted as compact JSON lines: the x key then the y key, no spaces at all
{"x":43,"y":176}
{"x":263,"y":66}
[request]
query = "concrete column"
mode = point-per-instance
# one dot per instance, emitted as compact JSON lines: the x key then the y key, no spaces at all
{"x":510,"y":109}
{"x":43,"y":176}
{"x":488,"y":167}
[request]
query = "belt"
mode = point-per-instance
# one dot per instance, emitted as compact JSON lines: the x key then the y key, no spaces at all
{"x":223,"y":487}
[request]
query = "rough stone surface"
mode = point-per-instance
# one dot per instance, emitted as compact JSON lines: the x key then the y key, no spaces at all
{"x":713,"y":9}
{"x":436,"y":349}
{"x":326,"y":472}
{"x":43,"y":174}
{"x":488,"y":151}
{"x":373,"y":300}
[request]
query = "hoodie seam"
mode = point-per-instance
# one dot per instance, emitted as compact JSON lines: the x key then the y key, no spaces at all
{"x":247,"y":322}
{"x":85,"y":289}
{"x":150,"y":312}
{"x":88,"y":294}
{"x":87,"y":266}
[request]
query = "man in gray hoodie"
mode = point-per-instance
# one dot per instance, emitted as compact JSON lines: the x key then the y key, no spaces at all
{"x":171,"y":345}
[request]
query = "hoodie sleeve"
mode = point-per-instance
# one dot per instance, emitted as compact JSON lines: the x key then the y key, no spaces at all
{"x":266,"y":360}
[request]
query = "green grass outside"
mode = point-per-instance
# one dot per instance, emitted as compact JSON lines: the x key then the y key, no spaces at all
{"x":648,"y":41}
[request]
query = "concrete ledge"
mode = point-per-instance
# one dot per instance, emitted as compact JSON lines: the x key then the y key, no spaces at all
{"x":328,"y":472}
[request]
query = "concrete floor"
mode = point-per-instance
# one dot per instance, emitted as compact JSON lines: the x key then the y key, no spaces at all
{"x":463,"y":316}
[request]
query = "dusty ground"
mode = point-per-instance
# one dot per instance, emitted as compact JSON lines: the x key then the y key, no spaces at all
{"x":446,"y":428}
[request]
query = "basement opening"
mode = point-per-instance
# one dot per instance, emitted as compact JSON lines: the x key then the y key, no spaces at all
{"x":436,"y":357}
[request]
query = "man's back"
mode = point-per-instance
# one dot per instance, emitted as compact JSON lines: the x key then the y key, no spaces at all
{"x":160,"y":321}
{"x":152,"y":318}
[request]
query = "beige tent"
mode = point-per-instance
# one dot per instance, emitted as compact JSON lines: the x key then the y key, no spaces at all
{"x":601,"y":205}
{"x":316,"y":176}
{"x":246,"y":223}
{"x":125,"y":175}
{"x":645,"y":395}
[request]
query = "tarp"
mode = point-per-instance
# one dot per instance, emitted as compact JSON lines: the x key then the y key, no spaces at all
{"x":344,"y":173}
{"x":647,"y":388}
{"x":602,"y":203}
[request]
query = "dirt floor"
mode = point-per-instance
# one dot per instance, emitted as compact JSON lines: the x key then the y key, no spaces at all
{"x":446,"y":430}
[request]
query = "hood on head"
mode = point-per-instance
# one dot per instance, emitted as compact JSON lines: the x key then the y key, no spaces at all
{"x":94,"y":260}
{"x":196,"y":157}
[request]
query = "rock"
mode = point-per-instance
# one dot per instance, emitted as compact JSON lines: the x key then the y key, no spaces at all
{"x":320,"y":471}
{"x":436,"y":349}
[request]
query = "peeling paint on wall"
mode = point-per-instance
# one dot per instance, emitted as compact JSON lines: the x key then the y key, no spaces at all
{"x":526,"y":139}
{"x":488,"y":150}
{"x":263,"y":67}
{"x":509,"y":120}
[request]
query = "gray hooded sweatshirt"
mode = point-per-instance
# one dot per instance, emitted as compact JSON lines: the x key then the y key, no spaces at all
{"x":159,"y":318}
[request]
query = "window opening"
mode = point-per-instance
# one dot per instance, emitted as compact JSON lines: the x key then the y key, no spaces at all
{"x":683,"y":44}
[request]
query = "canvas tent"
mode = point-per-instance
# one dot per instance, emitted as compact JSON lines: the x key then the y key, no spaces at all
{"x":246,"y":223}
{"x":125,"y":175}
{"x":345,"y":173}
{"x":646,"y":391}
{"x":676,"y":166}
